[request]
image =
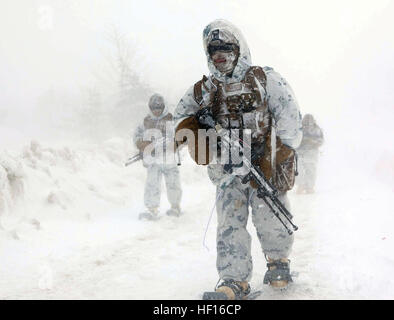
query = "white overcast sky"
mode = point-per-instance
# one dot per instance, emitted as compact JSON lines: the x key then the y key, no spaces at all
{"x":329,"y":51}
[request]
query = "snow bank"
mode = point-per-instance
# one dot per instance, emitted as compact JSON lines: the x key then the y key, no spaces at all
{"x":80,"y":181}
{"x":11,"y":186}
{"x":70,"y":230}
{"x":79,"y":206}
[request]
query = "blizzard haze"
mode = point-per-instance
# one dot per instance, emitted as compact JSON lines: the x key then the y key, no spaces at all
{"x":67,"y":112}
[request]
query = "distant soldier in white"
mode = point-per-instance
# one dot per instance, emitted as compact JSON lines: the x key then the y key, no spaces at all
{"x":308,"y":154}
{"x":158,"y":118}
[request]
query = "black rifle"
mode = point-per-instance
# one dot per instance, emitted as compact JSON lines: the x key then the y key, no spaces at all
{"x":265,"y":190}
{"x":133,"y":159}
{"x":140,"y":155}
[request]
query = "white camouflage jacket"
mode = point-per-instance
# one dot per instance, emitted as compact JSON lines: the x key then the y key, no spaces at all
{"x":280,"y":96}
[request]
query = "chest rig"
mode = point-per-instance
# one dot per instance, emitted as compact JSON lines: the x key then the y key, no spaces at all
{"x":244,"y":105}
{"x":160,"y":124}
{"x":241,"y":105}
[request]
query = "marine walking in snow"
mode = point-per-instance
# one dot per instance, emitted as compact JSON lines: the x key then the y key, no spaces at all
{"x":239,"y":96}
{"x":161,"y":120}
{"x":308,"y":154}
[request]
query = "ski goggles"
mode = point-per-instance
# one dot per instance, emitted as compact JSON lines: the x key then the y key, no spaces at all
{"x":223,"y":47}
{"x":157,"y":107}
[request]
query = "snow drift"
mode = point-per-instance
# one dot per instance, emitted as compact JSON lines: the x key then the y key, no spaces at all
{"x":70,"y":230}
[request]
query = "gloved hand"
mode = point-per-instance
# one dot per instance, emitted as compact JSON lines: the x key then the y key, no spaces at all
{"x":205,"y":119}
{"x":141,"y":145}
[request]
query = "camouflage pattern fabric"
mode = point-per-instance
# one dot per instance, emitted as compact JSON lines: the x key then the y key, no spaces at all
{"x":152,"y":192}
{"x":234,"y":259}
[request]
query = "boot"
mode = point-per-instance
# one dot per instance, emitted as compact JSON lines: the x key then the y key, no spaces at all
{"x":229,"y":290}
{"x":175,"y":211}
{"x":278,"y":273}
{"x":151,"y":214}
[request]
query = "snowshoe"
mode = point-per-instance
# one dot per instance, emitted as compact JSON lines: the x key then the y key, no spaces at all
{"x":278,"y":273}
{"x":151,"y":214}
{"x":229,"y":290}
{"x":174,"y":212}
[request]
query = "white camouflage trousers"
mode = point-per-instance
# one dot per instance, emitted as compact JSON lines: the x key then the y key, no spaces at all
{"x":234,"y":259}
{"x":153,"y":185}
{"x":307,"y":175}
{"x":307,"y":167}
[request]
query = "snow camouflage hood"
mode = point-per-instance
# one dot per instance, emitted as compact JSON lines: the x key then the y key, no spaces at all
{"x":229,"y":33}
{"x":157,"y":98}
{"x":308,"y":120}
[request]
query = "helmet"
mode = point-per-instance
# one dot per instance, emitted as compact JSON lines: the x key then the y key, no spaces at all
{"x":156,"y":102}
{"x":221,"y":40}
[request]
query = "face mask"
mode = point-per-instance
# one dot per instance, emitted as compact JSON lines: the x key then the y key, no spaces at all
{"x":225,"y":61}
{"x":156,"y":104}
{"x":157,"y":109}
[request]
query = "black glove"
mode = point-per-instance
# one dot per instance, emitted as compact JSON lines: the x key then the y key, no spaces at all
{"x":205,"y":118}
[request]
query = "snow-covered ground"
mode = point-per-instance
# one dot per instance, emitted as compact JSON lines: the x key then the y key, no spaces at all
{"x":69,"y":230}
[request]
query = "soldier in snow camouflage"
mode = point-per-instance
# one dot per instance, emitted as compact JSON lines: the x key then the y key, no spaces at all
{"x":308,"y":154}
{"x":158,"y":119}
{"x":242,"y":97}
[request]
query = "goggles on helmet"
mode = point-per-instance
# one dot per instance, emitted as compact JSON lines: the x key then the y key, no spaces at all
{"x":221,"y":46}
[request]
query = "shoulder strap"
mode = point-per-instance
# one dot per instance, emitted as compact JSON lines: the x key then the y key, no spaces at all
{"x":147,"y":121}
{"x":260,"y":75}
{"x":257,"y":73}
{"x":168,"y":117}
{"x":253,"y":75}
{"x":198,"y":90}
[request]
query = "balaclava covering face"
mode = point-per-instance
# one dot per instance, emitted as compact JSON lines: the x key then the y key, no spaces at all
{"x":223,"y":49}
{"x":230,"y":61}
{"x":223,"y":32}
